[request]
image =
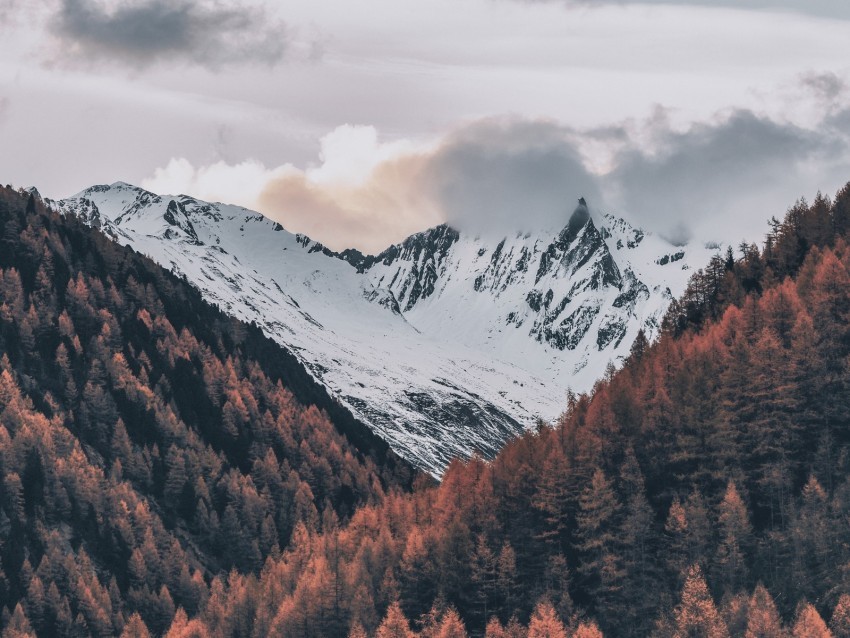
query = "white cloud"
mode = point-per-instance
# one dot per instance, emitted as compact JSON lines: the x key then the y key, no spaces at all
{"x":220,"y":182}
{"x":362,"y":192}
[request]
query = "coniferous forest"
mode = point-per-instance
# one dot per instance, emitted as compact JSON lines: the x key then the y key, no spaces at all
{"x":168,"y":470}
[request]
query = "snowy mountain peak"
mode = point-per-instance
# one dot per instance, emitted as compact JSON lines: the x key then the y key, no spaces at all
{"x":446,"y":344}
{"x":580,"y":216}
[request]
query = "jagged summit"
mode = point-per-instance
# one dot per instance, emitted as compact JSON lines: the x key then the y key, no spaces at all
{"x":579,"y":219}
{"x":445,"y":344}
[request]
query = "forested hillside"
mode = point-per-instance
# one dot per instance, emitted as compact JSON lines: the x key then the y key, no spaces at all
{"x":704,"y":490}
{"x":149,"y":444}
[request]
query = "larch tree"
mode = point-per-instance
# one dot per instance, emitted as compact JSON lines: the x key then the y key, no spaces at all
{"x":395,"y":624}
{"x":451,"y":626}
{"x":637,"y":537}
{"x":813,"y":539}
{"x":763,"y":620}
{"x":677,"y":554}
{"x":494,"y":629}
{"x":587,"y":629}
{"x":357,"y":631}
{"x":735,"y":538}
{"x":552,"y":499}
{"x":700,"y":530}
{"x":545,"y":622}
{"x":696,"y":615}
{"x":599,"y":547}
{"x":484,"y":575}
{"x":506,"y":579}
{"x":19,"y":625}
{"x":839,"y":624}
{"x":809,"y":623}
{"x":135,"y":628}
{"x":733,"y":609}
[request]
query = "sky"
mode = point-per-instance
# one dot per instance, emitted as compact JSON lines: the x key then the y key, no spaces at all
{"x":359,"y":123}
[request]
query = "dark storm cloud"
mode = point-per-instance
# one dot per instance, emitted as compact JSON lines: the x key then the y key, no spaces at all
{"x":715,"y":174}
{"x":507,"y":175}
{"x":709,"y":181}
{"x":143,"y":32}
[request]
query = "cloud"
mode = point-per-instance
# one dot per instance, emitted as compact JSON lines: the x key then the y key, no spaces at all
{"x":496,"y":176}
{"x":6,"y":8}
{"x":144,"y":32}
{"x":821,"y":8}
{"x":363,"y":193}
{"x":505,"y":175}
{"x":733,"y":173}
{"x":714,"y":181}
{"x":827,"y":88}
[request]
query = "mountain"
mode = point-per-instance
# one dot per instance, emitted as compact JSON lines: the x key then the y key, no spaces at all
{"x":446,"y":344}
{"x":163,"y":473}
{"x":701,"y":490}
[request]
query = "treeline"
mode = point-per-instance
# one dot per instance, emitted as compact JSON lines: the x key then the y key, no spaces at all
{"x":727,"y":280}
{"x":149,"y":444}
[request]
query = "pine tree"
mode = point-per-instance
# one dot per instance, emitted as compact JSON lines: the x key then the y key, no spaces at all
{"x":763,"y":619}
{"x":494,"y":629}
{"x":640,"y":582}
{"x":18,"y":625}
{"x":677,"y":554}
{"x":558,"y":585}
{"x":451,"y":626}
{"x":175,"y":476}
{"x":484,"y":575}
{"x":696,"y":615}
{"x":733,"y":610}
{"x":36,"y":605}
{"x":598,"y":544}
{"x":545,"y":623}
{"x":357,"y":631}
{"x":395,"y":624}
{"x":135,"y":628}
{"x":587,"y":629}
{"x":506,"y":579}
{"x":417,"y":580}
{"x":839,"y":624}
{"x":735,"y":538}
{"x":809,"y":624}
{"x":813,"y":536}
{"x":552,"y":499}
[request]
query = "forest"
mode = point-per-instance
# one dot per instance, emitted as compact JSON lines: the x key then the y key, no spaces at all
{"x":164,"y":473}
{"x":148,"y":442}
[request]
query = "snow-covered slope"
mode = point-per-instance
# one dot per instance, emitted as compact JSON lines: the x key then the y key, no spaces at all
{"x":445,"y":344}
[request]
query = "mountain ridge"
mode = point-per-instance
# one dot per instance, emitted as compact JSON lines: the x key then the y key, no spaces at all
{"x":493,"y":333}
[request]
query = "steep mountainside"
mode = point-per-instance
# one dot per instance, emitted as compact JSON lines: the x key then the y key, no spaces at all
{"x":445,"y":344}
{"x":148,"y":441}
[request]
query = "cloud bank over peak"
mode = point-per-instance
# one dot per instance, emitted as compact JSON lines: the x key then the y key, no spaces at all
{"x":713,"y":181}
{"x":506,"y":175}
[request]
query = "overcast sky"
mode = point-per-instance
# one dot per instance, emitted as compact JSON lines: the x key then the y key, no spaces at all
{"x":361,"y":122}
